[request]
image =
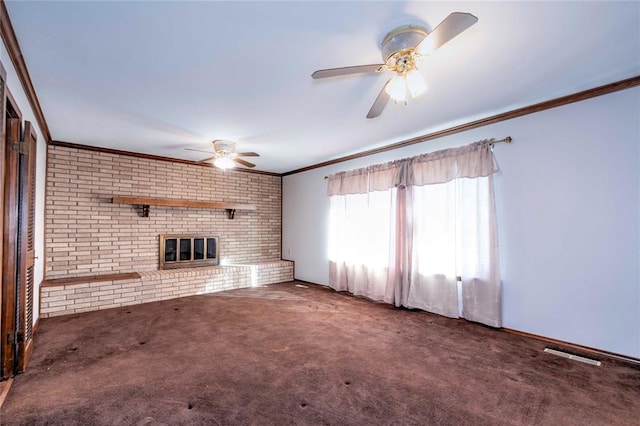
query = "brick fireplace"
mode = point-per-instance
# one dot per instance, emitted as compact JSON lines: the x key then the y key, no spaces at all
{"x":87,"y":235}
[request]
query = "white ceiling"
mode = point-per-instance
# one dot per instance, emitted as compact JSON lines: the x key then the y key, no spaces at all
{"x":158,"y":77}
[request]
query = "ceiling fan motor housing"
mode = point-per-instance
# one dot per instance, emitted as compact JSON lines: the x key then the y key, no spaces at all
{"x":397,"y":46}
{"x":224,"y":147}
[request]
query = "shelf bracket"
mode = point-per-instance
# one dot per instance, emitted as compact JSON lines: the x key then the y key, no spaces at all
{"x":145,"y":210}
{"x":231,"y":213}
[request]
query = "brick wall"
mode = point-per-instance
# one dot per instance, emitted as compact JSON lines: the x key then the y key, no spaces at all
{"x":87,"y":235}
{"x":159,"y":285}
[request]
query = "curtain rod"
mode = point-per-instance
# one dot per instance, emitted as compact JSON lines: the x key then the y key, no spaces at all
{"x":505,"y":140}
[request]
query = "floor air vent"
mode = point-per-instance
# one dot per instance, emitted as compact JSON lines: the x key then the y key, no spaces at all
{"x":573,"y":357}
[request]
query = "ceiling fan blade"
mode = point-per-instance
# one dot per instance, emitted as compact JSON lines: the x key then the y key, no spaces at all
{"x":247,"y":154}
{"x":207,"y":159}
{"x":335,"y":72}
{"x":380,"y":103}
{"x":243,"y":162}
{"x":199,"y":150}
{"x":448,"y":29}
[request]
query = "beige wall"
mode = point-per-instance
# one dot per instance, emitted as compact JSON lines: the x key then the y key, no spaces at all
{"x":86,"y":234}
{"x":568,"y":209}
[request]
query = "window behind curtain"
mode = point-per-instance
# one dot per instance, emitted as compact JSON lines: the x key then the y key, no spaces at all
{"x":430,"y":219}
{"x":361,"y":242}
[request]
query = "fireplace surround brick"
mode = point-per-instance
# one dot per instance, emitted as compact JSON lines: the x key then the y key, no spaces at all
{"x":154,"y":286}
{"x":87,"y":235}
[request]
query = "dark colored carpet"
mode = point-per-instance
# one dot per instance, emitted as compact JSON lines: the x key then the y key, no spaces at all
{"x":281,"y":355}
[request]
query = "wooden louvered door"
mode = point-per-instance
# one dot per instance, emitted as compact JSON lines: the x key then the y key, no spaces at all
{"x":26,"y":219}
{"x":16,"y":321}
{"x":11,"y":259}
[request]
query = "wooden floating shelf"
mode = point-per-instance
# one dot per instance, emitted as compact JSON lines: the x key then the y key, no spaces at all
{"x":54,"y":282}
{"x":146,"y":202}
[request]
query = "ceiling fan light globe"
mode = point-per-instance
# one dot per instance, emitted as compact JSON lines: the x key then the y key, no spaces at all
{"x":415,"y":83}
{"x":224,"y":163}
{"x":397,"y":88}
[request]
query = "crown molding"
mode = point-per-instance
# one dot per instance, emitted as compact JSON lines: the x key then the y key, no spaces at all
{"x":151,"y":157}
{"x":553,"y":103}
{"x":11,"y":43}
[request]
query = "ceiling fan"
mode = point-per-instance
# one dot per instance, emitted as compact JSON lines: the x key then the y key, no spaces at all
{"x":225,"y":155}
{"x":402,"y":49}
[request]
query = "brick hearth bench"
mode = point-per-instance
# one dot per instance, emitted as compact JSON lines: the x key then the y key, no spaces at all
{"x":64,"y":296}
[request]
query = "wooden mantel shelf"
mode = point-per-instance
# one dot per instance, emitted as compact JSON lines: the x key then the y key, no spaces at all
{"x":146,"y":202}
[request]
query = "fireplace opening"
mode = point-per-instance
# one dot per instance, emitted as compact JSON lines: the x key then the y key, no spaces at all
{"x":188,"y":251}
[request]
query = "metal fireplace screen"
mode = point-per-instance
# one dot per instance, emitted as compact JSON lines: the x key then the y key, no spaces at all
{"x":188,"y":251}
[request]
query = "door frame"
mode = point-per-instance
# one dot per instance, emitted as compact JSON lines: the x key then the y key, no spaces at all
{"x":9,"y":190}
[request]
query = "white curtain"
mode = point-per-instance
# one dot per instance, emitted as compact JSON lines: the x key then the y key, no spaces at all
{"x":362,"y":239}
{"x":478,"y":258}
{"x":402,"y":232}
{"x":433,"y":285}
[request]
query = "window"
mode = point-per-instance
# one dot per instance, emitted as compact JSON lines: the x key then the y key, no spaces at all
{"x":403,"y":232}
